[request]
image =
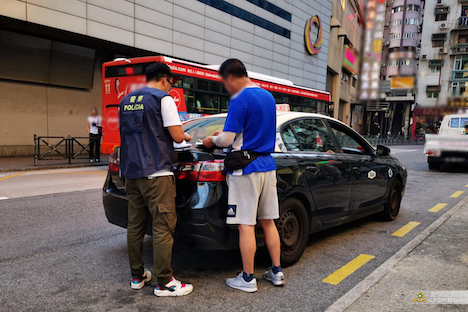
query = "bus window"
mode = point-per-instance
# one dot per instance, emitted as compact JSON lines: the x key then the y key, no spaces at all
{"x":203,"y":84}
{"x":278,"y":97}
{"x":189,"y":83}
{"x":215,"y":87}
{"x":224,"y":104}
{"x":206,"y":104}
{"x":177,"y":81}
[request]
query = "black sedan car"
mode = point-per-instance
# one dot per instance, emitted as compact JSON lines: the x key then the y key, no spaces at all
{"x":327,"y":175}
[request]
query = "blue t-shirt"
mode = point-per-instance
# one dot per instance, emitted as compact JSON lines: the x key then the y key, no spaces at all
{"x":252,"y":115}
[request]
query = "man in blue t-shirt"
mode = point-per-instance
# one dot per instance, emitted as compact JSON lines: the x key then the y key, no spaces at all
{"x":251,"y":126}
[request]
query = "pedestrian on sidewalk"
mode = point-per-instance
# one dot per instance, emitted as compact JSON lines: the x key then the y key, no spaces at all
{"x":94,"y":130}
{"x":149,"y":124}
{"x":250,"y":129}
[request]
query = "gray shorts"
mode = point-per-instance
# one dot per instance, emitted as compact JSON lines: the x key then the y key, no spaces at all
{"x":252,"y":196}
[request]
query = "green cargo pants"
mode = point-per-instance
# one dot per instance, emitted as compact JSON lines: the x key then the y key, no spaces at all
{"x":158,"y":197}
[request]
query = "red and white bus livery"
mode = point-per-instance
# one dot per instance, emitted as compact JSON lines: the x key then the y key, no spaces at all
{"x":197,"y":91}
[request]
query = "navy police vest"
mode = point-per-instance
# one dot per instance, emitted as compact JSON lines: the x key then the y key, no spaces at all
{"x":146,"y":146}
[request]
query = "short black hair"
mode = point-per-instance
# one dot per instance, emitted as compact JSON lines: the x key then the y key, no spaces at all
{"x":157,"y":71}
{"x":232,"y":67}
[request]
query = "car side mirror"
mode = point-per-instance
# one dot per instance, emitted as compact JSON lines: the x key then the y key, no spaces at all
{"x":383,"y":150}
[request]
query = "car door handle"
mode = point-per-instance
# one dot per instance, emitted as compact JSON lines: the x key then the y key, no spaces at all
{"x":357,"y":170}
{"x":313,"y":169}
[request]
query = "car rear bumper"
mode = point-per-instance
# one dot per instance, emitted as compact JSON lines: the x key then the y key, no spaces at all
{"x":203,"y":229}
{"x":449,"y":159}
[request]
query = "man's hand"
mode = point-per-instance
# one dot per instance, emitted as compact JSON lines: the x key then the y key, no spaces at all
{"x":208,"y":142}
{"x":187,"y":137}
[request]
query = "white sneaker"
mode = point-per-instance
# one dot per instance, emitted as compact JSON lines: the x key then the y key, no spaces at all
{"x":91,"y":160}
{"x":277,"y":279}
{"x":240,"y":283}
{"x":139,"y":283}
{"x":174,"y":288}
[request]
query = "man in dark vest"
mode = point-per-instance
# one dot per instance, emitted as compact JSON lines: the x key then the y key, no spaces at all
{"x":149,"y":124}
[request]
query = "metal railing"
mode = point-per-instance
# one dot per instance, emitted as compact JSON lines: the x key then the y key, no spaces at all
{"x":395,"y":139}
{"x":62,"y":147}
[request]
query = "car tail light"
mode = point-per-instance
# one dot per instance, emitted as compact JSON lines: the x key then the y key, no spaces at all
{"x":113,"y":164}
{"x":206,"y":171}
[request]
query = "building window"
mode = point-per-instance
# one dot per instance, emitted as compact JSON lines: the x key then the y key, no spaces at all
{"x":412,"y":21}
{"x":435,"y":65}
{"x":458,"y":88}
{"x":438,"y":40}
{"x":394,"y":36}
{"x":409,"y":35}
{"x":432,"y":92}
{"x":412,"y":7}
{"x":441,"y":17}
{"x":344,"y":76}
{"x":398,"y":9}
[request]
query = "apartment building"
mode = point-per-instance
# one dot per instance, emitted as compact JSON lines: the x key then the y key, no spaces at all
{"x":400,"y":51}
{"x":443,"y":61}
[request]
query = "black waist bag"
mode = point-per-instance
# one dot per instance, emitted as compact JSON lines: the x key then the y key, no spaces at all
{"x":240,"y":159}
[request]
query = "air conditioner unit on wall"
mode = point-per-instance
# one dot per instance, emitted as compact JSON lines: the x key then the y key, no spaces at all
{"x":441,"y":50}
{"x":443,"y":26}
{"x":440,"y":2}
{"x":424,"y":57}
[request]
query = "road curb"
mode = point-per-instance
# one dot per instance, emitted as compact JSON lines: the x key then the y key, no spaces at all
{"x":53,"y":167}
{"x":363,"y":286}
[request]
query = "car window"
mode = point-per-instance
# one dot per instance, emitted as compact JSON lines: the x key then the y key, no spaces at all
{"x":455,"y":123}
{"x":203,"y":127}
{"x":349,"y":140}
{"x":308,"y":135}
{"x":464,"y":122}
{"x":290,"y":140}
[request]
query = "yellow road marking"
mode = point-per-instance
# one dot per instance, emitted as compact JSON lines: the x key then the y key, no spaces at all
{"x":456,"y":194}
{"x":336,"y":277}
{"x":466,"y":185}
{"x":406,"y":228}
{"x":437,"y":207}
{"x":11,"y":176}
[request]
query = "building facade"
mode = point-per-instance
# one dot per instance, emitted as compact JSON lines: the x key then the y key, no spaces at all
{"x":346,"y":26}
{"x":400,"y":52}
{"x":55,"y":50}
{"x":443,"y":62}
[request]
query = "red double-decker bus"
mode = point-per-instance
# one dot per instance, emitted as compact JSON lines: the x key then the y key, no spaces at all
{"x":197,"y":91}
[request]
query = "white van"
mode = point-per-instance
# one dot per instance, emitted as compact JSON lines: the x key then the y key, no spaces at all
{"x":450,"y":145}
{"x":454,"y":124}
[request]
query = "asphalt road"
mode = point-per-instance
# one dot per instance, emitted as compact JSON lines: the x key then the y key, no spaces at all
{"x":59,"y":253}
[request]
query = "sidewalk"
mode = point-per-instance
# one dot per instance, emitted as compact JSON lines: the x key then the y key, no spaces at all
{"x":440,"y":262}
{"x":9,"y":164}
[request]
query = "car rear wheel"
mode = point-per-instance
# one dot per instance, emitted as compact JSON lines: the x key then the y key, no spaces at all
{"x":392,"y":205}
{"x":293,"y":228}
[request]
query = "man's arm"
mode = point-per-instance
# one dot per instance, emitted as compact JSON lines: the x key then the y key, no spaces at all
{"x":87,"y":126}
{"x":223,"y":139}
{"x":178,"y":134}
{"x":171,"y":120}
